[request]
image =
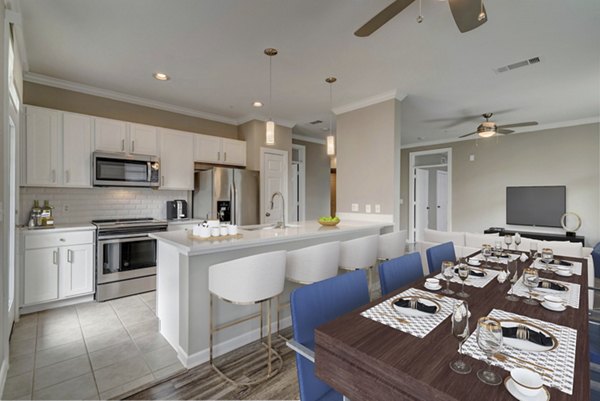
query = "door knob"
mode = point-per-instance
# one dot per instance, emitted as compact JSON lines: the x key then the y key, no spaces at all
{"x":268,"y":214}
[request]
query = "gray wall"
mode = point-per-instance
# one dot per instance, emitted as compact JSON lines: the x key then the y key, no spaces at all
{"x":317,"y":173}
{"x":563,"y":156}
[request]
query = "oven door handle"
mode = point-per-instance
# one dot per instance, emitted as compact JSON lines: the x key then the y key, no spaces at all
{"x":149,"y":173}
{"x":112,"y":239}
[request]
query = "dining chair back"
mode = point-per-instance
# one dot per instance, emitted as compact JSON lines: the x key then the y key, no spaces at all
{"x":398,"y":272}
{"x":596,"y":259}
{"x":359,"y":253}
{"x":314,"y":305}
{"x":391,"y":245}
{"x":439,"y":253}
{"x":313,"y":263}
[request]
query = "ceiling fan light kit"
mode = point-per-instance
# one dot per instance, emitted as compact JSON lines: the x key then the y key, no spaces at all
{"x":489,"y":128}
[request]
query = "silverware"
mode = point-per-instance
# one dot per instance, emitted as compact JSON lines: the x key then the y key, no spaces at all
{"x":399,"y":319}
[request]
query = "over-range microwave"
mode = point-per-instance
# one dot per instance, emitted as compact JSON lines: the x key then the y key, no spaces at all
{"x":122,"y":170}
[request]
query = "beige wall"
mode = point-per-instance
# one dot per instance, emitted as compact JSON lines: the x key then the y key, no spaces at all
{"x":562,"y":156}
{"x":317,"y":172}
{"x":76,"y":102}
{"x":368,"y":143}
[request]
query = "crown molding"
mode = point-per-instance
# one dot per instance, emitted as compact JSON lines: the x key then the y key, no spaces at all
{"x":109,"y":94}
{"x":359,"y":104}
{"x":524,"y":130}
{"x":309,"y":139}
{"x":250,"y":117}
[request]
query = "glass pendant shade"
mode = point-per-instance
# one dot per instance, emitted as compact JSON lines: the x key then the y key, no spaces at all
{"x":330,"y":145}
{"x":270,"y":138}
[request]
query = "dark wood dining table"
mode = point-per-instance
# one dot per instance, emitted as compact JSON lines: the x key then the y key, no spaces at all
{"x":366,"y":360}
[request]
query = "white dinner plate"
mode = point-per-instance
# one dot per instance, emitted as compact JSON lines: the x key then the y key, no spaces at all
{"x":415,"y":312}
{"x":510,"y":385}
{"x":563,"y":273}
{"x":552,"y":308}
{"x":524,"y":344}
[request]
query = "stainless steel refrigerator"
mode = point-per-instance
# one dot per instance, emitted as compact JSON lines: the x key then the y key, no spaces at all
{"x":228,"y":194}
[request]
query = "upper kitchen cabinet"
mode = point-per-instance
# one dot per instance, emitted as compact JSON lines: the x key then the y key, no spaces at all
{"x":143,"y":139}
{"x":176,"y":160}
{"x":42,"y":147}
{"x":212,"y":149}
{"x":110,"y":135}
{"x":76,"y":150}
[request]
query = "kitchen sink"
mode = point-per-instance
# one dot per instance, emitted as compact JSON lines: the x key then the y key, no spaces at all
{"x":260,"y":227}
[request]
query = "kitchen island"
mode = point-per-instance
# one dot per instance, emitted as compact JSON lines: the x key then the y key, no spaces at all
{"x":182,"y":281}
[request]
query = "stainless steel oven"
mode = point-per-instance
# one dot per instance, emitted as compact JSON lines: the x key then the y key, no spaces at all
{"x":125,"y":257}
{"x":122,"y":170}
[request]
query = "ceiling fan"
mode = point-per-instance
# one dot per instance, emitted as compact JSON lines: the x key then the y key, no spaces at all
{"x":489,"y":128}
{"x":468,"y":15}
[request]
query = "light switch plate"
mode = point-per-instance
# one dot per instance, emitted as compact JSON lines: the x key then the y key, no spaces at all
{"x":471,"y":158}
{"x":367,"y":208}
{"x":377,"y":208}
{"x":355,"y":207}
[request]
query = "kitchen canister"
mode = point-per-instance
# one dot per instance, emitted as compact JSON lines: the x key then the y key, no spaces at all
{"x":232,"y":229}
{"x":223,"y":230}
{"x":215,"y":231}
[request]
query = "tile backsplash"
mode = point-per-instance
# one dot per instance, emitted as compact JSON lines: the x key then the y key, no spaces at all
{"x":74,"y":205}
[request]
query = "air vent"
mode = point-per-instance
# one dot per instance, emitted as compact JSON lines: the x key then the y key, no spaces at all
{"x":315,"y":122}
{"x":516,"y":65}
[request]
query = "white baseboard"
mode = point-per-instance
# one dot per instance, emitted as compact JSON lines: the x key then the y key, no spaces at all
{"x":55,"y":304}
{"x":374,"y":217}
{"x":200,"y":357}
{"x":3,"y":374}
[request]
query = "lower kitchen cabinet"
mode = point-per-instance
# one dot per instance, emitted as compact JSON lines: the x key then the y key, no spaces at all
{"x":57,"y":266}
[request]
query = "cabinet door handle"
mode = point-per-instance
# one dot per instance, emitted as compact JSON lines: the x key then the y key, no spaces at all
{"x":62,"y":240}
{"x":224,"y":156}
{"x":55,"y":257}
{"x":122,"y":145}
{"x":69,"y":256}
{"x":132,"y":146}
{"x":218,"y":155}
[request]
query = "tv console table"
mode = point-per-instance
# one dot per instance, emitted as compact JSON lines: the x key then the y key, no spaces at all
{"x":533,"y":235}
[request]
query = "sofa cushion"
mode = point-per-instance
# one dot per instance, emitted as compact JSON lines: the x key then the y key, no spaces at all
{"x":444,"y":236}
{"x":563,"y":248}
{"x":477,"y":240}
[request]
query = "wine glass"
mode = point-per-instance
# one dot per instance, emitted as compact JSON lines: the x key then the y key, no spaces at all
{"x":486,"y":251}
{"x":511,"y":267}
{"x":532,"y":248}
{"x":460,"y":330}
{"x":517,"y":241}
{"x":498,"y":247}
{"x":547,"y":257}
{"x":447,"y":273}
{"x":489,"y":339}
{"x":508,"y":239}
{"x":463,"y":274}
{"x":531,"y":280}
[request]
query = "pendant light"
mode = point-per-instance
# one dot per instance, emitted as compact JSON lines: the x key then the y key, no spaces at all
{"x":331,"y":138}
{"x":270,"y":134}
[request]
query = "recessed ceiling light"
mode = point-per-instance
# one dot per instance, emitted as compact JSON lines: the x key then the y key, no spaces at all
{"x":161,"y":76}
{"x":256,"y":103}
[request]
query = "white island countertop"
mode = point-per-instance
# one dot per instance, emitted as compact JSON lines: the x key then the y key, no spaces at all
{"x":191,"y":246}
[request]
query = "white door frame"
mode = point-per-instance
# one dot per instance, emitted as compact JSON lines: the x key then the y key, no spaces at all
{"x":301,"y":180}
{"x":286,"y":177}
{"x":411,"y":182}
{"x":440,"y":173}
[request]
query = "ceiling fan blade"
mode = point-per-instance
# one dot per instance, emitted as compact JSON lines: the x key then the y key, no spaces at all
{"x":527,"y":124}
{"x":504,"y":131}
{"x":466,"y":12}
{"x":466,"y":135}
{"x":384,"y":16}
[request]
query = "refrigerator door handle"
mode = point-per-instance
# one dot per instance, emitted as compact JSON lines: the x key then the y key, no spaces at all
{"x":232,"y":216}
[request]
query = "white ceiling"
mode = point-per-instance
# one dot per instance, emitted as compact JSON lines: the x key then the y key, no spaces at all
{"x":213,"y":50}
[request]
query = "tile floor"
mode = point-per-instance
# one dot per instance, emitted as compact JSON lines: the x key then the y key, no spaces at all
{"x":89,"y":351}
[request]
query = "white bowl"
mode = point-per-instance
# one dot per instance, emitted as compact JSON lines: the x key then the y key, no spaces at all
{"x":474,"y":262}
{"x":553,"y":301}
{"x":432,"y":282}
{"x":527,"y":382}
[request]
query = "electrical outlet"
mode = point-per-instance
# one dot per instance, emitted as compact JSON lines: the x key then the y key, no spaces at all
{"x":367,"y":208}
{"x":355,"y":207}
{"x":65,"y":208}
{"x":377,"y":208}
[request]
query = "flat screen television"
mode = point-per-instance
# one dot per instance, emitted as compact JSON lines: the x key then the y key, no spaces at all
{"x":535,"y":206}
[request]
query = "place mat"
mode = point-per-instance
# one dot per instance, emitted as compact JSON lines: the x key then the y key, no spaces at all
{"x":473,"y":281}
{"x":559,"y":363}
{"x":571,"y":297}
{"x":576,"y":268}
{"x":385,"y":313}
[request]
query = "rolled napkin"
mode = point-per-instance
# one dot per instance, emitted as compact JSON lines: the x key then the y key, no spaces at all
{"x":523,"y":257}
{"x":502,"y":276}
{"x":552,"y":286}
{"x":561,"y":262}
{"x":405,"y":303}
{"x":534,"y":336}
{"x":472,"y":272}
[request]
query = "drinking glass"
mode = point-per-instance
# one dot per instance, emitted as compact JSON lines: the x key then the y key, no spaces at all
{"x":460,"y":330}
{"x":517,"y":241}
{"x":486,"y":251}
{"x":508,"y":240}
{"x":489,"y":339}
{"x":547,"y":257}
{"x":463,"y":274}
{"x":511,"y":267}
{"x":531,"y":280}
{"x":447,"y":273}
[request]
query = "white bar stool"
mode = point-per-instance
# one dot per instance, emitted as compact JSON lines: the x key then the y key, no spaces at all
{"x":359,"y":253}
{"x":309,"y":265}
{"x":391,"y":245}
{"x":247,"y":281}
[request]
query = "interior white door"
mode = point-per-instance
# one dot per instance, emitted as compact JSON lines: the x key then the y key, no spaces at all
{"x":421,"y":202}
{"x":10,"y":213}
{"x":274,"y":172}
{"x":442,"y":200}
{"x":295,"y":193}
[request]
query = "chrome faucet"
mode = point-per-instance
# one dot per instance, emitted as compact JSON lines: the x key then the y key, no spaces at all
{"x":280,"y":224}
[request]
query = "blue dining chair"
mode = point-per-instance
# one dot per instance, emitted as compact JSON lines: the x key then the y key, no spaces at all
{"x":398,"y":272}
{"x":594,"y":338}
{"x":596,"y":259}
{"x":439,"y":253}
{"x":311,"y":306}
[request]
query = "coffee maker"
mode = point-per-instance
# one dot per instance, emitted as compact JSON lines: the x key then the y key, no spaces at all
{"x":177,"y":209}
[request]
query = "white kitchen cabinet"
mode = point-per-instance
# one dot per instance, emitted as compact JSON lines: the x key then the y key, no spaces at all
{"x":110,"y":135}
{"x":176,"y":160}
{"x":57,"y":265}
{"x":212,"y":149}
{"x":76,"y":150}
{"x":42,"y":146}
{"x":143,"y":139}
